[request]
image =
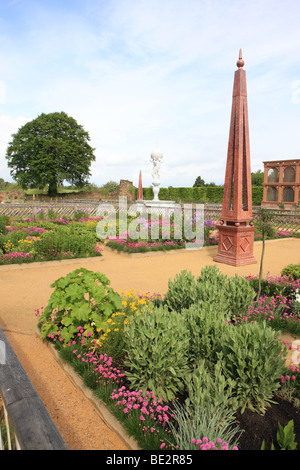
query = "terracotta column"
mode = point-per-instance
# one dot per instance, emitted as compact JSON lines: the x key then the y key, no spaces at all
{"x":280,"y":181}
{"x":236,"y":231}
{"x":265,"y":187}
{"x":140,"y":189}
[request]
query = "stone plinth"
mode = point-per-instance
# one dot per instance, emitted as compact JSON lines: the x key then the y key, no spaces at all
{"x":235,"y":245}
{"x":162,"y":208}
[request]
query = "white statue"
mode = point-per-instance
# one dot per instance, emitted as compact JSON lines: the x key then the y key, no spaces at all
{"x":156,"y":158}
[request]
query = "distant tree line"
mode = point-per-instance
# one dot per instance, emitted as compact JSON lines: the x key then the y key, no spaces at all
{"x":257,"y":179}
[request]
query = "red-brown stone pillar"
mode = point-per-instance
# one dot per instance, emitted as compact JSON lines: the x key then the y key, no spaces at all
{"x":140,"y":188}
{"x":236,"y":231}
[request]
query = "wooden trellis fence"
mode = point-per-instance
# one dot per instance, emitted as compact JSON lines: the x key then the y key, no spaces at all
{"x":286,"y":221}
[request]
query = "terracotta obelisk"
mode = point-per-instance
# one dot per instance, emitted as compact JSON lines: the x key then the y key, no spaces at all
{"x":236,"y":231}
{"x":140,"y":188}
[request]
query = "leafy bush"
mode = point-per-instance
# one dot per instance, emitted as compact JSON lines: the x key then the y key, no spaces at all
{"x":292,"y":270}
{"x":81,"y":214}
{"x":240,"y":295}
{"x":82,"y":298}
{"x":3,"y":223}
{"x":232,"y":294}
{"x":252,"y":358}
{"x":206,"y":323}
{"x":66,"y":239}
{"x":181,"y":292}
{"x":210,"y":389}
{"x":157,"y":350}
{"x":109,"y":187}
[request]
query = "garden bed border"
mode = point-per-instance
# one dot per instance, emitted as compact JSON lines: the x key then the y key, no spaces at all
{"x":44,"y":264}
{"x":104,"y":413}
{"x":29,"y":418}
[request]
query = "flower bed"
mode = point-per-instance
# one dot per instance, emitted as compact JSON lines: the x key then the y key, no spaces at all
{"x":38,"y":239}
{"x":179,"y":372}
{"x":47,"y":236}
{"x":142,"y":246}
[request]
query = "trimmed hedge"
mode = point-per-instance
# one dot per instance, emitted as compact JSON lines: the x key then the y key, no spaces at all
{"x":201,"y":194}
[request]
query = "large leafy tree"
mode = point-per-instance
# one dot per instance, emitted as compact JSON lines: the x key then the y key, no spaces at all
{"x":49,"y":150}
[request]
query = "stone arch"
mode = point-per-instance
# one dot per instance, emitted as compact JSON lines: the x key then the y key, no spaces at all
{"x":289,"y":175}
{"x":273,"y":175}
{"x":288,"y":194}
{"x":272,"y":194}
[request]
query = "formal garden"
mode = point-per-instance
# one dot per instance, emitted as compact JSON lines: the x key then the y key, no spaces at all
{"x":46,"y":235}
{"x":203,"y":367}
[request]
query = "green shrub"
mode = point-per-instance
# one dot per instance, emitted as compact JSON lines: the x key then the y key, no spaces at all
{"x":3,"y":223}
{"x":66,"y":239}
{"x":198,"y":194}
{"x":206,"y":322}
{"x":233,"y":294}
{"x":210,"y":389}
{"x":292,"y":270}
{"x":82,"y":298}
{"x":52,"y":214}
{"x":211,"y":288}
{"x":181,"y":291}
{"x":157,"y":352}
{"x":80,"y":214}
{"x":240,"y":295}
{"x":252,"y":358}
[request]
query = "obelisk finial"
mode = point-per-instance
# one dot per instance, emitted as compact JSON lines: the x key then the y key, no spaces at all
{"x":240,"y":63}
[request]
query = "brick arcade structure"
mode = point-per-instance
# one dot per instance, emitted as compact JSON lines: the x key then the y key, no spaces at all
{"x":236,"y":230}
{"x":281,"y":184}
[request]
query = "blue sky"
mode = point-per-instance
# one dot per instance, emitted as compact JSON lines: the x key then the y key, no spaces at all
{"x":138,"y":72}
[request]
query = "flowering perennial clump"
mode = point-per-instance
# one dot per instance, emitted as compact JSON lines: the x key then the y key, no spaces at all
{"x":205,"y":444}
{"x":275,"y":308}
{"x":147,"y":412}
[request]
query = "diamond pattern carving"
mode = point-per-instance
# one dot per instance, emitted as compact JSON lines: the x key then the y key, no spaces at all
{"x":245,"y":244}
{"x":227,"y":243}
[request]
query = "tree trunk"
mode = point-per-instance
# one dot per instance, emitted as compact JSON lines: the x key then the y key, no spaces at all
{"x":52,"y":188}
